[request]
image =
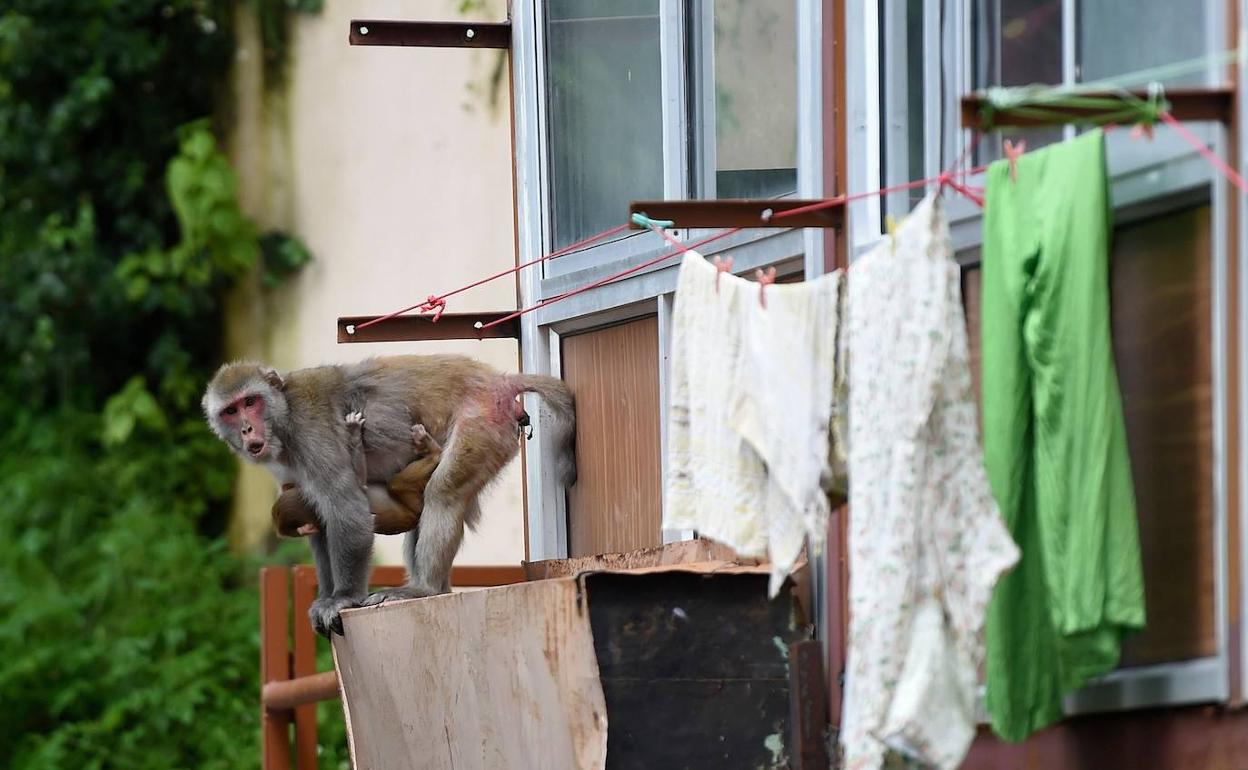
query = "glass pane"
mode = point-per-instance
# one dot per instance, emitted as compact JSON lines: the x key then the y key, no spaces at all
{"x":605,"y":112}
{"x":754,"y":72}
{"x":903,"y":136}
{"x":1018,"y":43}
{"x":1122,"y":36}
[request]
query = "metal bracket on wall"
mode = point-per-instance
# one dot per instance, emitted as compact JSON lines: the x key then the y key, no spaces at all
{"x":431,"y":34}
{"x":1185,"y":104}
{"x":756,"y":212}
{"x":416,"y":328}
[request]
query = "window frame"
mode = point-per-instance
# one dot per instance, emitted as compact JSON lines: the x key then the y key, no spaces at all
{"x":649,"y":291}
{"x":1144,"y":182}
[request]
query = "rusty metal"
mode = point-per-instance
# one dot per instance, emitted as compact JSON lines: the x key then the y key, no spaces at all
{"x":1185,"y":104}
{"x":808,"y":707}
{"x":301,"y":692}
{"x":416,"y":328}
{"x":431,"y":34}
{"x":274,"y":665}
{"x":1202,"y":738}
{"x":756,"y":212}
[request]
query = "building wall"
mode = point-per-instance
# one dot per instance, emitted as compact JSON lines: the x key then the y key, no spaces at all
{"x":391,"y":165}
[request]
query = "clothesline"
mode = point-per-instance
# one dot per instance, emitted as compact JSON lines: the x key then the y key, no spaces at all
{"x":953,"y":178}
{"x":436,"y":303}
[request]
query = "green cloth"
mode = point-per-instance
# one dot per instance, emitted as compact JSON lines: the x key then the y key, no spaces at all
{"x":1055,"y":443}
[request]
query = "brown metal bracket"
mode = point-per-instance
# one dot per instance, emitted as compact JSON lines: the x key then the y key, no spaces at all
{"x":416,"y":328}
{"x":431,"y":34}
{"x":808,"y":706}
{"x":1185,"y":104}
{"x":757,"y":212}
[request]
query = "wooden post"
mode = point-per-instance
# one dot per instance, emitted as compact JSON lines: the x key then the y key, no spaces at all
{"x":304,"y":664}
{"x":274,"y":665}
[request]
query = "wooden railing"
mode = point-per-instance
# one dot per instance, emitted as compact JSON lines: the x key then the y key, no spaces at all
{"x":290,"y":684}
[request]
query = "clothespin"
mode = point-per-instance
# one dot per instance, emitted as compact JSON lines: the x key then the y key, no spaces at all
{"x":644,"y":221}
{"x":891,"y":223}
{"x":434,"y":304}
{"x":1142,"y":130}
{"x":721,"y":266}
{"x":764,"y":280}
{"x":1012,"y":153}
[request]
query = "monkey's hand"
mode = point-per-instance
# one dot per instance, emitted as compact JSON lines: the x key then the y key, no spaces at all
{"x":324,"y":613}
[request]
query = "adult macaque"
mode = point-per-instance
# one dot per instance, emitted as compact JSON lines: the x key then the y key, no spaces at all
{"x":395,"y":506}
{"x":294,"y":425}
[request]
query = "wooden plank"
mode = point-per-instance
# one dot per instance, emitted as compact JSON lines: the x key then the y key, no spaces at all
{"x":303,"y":663}
{"x":684,"y":552}
{"x":614,"y":373}
{"x":274,"y":665}
{"x":758,"y":212}
{"x":1204,"y":738}
{"x":419,"y":328}
{"x":1185,"y":104}
{"x":431,"y":34}
{"x":504,"y":677}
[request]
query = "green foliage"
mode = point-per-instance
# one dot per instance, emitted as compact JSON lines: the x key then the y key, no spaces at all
{"x":128,"y":631}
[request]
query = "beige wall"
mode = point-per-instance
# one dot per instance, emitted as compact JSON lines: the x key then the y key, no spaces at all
{"x":389,"y":165}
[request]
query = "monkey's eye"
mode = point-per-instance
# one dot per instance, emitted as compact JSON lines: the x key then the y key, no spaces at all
{"x":231,"y":410}
{"x":249,"y":402}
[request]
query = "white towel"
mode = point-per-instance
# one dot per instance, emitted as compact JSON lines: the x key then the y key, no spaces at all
{"x":749,"y":412}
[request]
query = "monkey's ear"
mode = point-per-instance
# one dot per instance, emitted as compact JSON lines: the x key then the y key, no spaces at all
{"x":272,"y":377}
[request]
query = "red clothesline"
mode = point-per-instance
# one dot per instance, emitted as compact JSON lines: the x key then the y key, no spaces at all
{"x":951,"y":178}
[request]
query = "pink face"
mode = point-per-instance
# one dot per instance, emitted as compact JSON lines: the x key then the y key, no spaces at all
{"x":246,"y":415}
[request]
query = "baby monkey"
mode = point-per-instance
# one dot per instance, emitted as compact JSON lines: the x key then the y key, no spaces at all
{"x":395,"y":506}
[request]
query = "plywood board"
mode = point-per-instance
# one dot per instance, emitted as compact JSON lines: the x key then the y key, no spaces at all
{"x":685,"y":552}
{"x":614,"y":373}
{"x":500,"y":678}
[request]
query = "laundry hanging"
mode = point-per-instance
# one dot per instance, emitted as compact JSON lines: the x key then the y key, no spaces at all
{"x":1054,"y":436}
{"x":750,"y":412}
{"x":926,"y":541}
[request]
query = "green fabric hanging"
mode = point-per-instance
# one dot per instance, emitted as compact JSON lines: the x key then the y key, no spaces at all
{"x":1054,"y":439}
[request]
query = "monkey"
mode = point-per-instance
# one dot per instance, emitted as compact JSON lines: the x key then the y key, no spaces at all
{"x":395,"y":507}
{"x":290,"y":425}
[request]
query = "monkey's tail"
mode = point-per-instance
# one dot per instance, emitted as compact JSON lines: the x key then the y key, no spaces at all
{"x":563,"y":433}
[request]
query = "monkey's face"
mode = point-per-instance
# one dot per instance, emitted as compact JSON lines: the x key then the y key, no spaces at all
{"x":241,"y":405}
{"x":244,"y":418}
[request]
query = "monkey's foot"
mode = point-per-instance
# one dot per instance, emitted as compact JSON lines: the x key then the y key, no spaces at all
{"x":421,"y":438}
{"x":400,"y":593}
{"x":324,"y":614}
{"x":355,"y":419}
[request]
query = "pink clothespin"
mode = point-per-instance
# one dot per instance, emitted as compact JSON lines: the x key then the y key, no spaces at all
{"x":1012,"y":153}
{"x":721,"y":266}
{"x":434,"y":304}
{"x":1142,"y":129}
{"x":764,"y":280}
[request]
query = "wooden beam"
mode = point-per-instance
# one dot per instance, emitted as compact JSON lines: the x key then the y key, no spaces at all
{"x":431,"y":34}
{"x":304,"y":691}
{"x":1185,"y":104}
{"x":274,"y":665}
{"x":739,"y":213}
{"x":417,"y":328}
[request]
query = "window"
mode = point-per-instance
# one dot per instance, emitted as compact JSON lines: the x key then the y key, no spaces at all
{"x":744,"y":106}
{"x":605,"y":126}
{"x":914,"y":59}
{"x":622,"y":100}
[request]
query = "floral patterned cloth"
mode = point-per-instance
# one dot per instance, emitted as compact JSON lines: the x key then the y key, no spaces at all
{"x":927,"y":542}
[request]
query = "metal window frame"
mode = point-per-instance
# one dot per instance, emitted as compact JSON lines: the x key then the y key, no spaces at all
{"x":1144,"y":182}
{"x":647,"y":292}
